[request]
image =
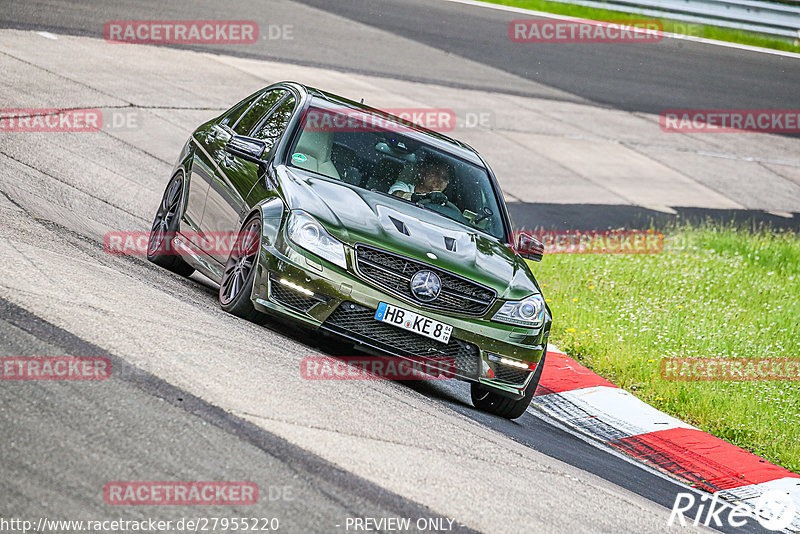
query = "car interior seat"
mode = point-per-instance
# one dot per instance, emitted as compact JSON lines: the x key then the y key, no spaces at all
{"x":346,"y":162}
{"x":384,"y":175}
{"x":316,"y":147}
{"x":409,"y":174}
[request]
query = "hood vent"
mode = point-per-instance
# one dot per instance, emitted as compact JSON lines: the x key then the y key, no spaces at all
{"x":450,"y":244}
{"x":400,"y":225}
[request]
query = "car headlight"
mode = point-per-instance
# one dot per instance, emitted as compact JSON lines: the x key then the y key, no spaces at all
{"x":307,"y":233}
{"x":527,"y":312}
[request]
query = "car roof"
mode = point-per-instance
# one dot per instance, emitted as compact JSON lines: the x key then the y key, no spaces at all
{"x":415,"y":131}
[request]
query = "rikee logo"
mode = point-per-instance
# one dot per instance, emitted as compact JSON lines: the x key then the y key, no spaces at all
{"x":774,"y":510}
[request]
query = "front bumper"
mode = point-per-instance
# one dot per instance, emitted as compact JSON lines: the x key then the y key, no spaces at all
{"x":297,"y":284}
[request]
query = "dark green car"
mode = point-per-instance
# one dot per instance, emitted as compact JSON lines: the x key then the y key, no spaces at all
{"x":362,"y":225}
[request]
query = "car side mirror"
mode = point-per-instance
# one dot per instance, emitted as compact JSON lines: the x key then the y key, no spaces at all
{"x":247,"y":148}
{"x":528,"y":246}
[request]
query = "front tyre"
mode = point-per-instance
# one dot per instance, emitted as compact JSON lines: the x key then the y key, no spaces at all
{"x":240,"y":271}
{"x":165,"y":226}
{"x":492,"y":402}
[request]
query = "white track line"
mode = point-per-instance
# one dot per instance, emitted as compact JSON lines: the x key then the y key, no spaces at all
{"x":639,"y":416}
{"x":592,"y":440}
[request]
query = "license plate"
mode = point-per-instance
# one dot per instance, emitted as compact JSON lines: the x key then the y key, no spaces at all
{"x":413,"y":322}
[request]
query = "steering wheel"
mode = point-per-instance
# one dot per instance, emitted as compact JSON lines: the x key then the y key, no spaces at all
{"x":447,"y":208}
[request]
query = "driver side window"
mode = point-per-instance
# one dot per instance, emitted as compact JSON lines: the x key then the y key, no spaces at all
{"x":257,"y":110}
{"x":273,"y":126}
{"x":233,"y":114}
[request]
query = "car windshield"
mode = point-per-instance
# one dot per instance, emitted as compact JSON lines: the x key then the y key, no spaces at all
{"x":373,"y":153}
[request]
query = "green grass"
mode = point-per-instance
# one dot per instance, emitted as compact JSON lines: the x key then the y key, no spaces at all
{"x":713,"y":292}
{"x":671,"y":26}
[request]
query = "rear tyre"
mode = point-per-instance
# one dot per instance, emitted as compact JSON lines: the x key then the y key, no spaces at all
{"x":165,"y":225}
{"x":236,"y":286}
{"x":492,"y":402}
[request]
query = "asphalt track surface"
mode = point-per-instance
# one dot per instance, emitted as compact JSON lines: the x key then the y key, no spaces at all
{"x":136,"y":418}
{"x":144,"y":424}
{"x":395,"y":38}
{"x":679,"y":74}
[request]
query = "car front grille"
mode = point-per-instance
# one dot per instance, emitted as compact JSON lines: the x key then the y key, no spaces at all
{"x":512,"y":375}
{"x":358,"y":323}
{"x":393,"y":273}
{"x":291,"y":298}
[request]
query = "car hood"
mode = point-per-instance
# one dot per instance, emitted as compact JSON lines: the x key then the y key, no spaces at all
{"x":354,"y":215}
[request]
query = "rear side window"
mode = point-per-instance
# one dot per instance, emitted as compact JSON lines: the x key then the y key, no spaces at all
{"x":273,"y":126}
{"x":251,"y":117}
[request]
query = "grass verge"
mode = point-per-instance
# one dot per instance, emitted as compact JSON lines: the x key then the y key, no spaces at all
{"x":671,"y":26}
{"x":713,"y":292}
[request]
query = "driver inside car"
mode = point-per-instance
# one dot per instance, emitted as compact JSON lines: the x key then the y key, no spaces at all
{"x":433,"y":177}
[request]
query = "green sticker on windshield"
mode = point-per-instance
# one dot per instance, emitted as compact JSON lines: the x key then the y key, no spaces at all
{"x":299,"y":158}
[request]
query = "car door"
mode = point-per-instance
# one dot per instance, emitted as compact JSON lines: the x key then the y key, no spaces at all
{"x":235,"y":177}
{"x":270,"y":130}
{"x":209,"y":142}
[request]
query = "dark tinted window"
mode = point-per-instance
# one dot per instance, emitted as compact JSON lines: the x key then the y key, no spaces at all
{"x":257,"y":111}
{"x":374,"y":153}
{"x":273,"y":126}
{"x":233,"y":114}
